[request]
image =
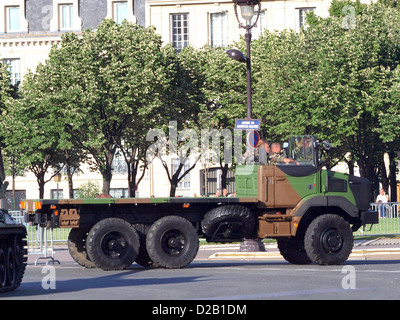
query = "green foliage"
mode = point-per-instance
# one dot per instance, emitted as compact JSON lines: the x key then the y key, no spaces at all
{"x":87,"y":190}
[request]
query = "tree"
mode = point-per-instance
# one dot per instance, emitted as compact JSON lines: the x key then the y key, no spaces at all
{"x":32,"y":133}
{"x":332,"y":81}
{"x":100,"y":84}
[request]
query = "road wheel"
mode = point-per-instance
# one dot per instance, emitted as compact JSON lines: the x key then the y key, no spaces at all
{"x":3,"y":269}
{"x":172,"y":242}
{"x":328,"y":240}
{"x":112,"y":244}
{"x":293,"y":251}
{"x":11,"y":267}
{"x":77,"y":247}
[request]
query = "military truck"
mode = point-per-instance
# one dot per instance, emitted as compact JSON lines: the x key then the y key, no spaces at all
{"x":310,"y":211}
{"x":12,"y":249}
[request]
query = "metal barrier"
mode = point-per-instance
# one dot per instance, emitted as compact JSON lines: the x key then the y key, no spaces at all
{"x":41,"y":240}
{"x":389,"y":221}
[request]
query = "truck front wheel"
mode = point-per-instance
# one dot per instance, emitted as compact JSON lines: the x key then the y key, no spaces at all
{"x":112,"y":244}
{"x":328,"y":240}
{"x":172,"y":242}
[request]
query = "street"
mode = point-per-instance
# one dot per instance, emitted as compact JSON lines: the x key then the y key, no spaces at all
{"x":372,"y":277}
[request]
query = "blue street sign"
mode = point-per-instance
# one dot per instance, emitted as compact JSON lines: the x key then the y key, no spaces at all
{"x":247,"y":124}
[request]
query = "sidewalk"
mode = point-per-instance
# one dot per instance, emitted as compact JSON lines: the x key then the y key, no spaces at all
{"x":377,"y":249}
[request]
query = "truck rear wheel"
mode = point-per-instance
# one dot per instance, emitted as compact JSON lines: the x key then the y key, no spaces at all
{"x":328,"y":240}
{"x":172,"y":242}
{"x":77,"y":247}
{"x":112,"y":244}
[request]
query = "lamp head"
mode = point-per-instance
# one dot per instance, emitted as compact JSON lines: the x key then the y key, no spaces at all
{"x":236,"y":55}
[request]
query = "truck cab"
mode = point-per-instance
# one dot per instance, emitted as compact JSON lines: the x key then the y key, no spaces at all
{"x":291,"y":196}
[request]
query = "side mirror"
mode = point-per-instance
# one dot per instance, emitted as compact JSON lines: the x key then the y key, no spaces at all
{"x":326,"y":144}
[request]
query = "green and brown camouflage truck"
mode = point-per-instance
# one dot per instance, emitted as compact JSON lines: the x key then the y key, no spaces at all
{"x":311,"y":212}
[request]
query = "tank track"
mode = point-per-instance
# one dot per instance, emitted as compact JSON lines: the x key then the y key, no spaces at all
{"x":13,"y":257}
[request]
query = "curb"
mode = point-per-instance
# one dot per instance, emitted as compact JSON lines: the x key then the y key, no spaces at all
{"x":276,"y":255}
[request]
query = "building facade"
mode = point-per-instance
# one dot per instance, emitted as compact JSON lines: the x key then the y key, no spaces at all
{"x":201,"y":22}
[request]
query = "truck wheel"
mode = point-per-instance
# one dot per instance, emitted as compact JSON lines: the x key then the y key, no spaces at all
{"x":77,"y":247}
{"x":328,"y":240}
{"x":172,"y":242}
{"x":112,"y":244}
{"x":143,"y":257}
{"x":293,"y":251}
{"x":231,"y":222}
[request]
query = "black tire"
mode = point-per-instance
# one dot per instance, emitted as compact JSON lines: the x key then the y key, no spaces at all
{"x":231,"y":222}
{"x":77,"y":247}
{"x":293,"y":251}
{"x":20,"y":256}
{"x":328,"y":240}
{"x":112,"y":244}
{"x":3,"y":269}
{"x":172,"y":242}
{"x":11,"y":266}
{"x":143,"y":257}
{"x":12,"y":263}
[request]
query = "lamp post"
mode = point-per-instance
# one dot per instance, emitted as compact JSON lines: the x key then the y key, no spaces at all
{"x":247,"y":13}
{"x":57,"y":180}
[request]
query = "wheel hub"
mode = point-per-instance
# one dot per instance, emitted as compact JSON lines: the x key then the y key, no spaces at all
{"x":113,"y":244}
{"x":173,"y":242}
{"x":332,"y":240}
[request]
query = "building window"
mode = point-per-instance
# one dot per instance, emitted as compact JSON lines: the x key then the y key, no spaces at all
{"x":183,"y":187}
{"x":120,"y":11}
{"x":56,"y":193}
{"x":218,"y":29}
{"x":302,"y":16}
{"x":13,"y":67}
{"x":119,"y":192}
{"x":13,"y":19}
{"x":258,"y":29}
{"x":119,"y":165}
{"x":66,"y":16}
{"x":180,"y":30}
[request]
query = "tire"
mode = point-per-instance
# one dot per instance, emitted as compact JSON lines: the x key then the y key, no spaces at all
{"x":77,"y":247}
{"x":328,"y":240}
{"x":3,"y":269}
{"x":12,"y":263}
{"x":172,"y":242}
{"x":112,"y":244}
{"x":11,"y":266}
{"x":20,"y":256}
{"x":231,"y":222}
{"x":143,"y":257}
{"x":293,"y":251}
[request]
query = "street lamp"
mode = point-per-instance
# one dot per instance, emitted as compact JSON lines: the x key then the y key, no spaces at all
{"x":247,"y":12}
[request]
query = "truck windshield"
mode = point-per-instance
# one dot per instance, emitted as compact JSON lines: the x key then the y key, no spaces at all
{"x":301,"y":149}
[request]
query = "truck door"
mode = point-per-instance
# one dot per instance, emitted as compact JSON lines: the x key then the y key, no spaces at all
{"x":293,"y":183}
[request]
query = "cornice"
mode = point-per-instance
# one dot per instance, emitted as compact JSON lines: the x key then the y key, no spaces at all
{"x":27,"y":40}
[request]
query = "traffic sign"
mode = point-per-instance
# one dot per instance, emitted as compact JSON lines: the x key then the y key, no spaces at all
{"x":247,"y":124}
{"x":252,"y":138}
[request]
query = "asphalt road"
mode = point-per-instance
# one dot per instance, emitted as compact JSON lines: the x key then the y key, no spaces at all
{"x":367,"y":275}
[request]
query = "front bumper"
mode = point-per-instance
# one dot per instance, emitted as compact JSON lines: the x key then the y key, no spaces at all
{"x":369,"y":217}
